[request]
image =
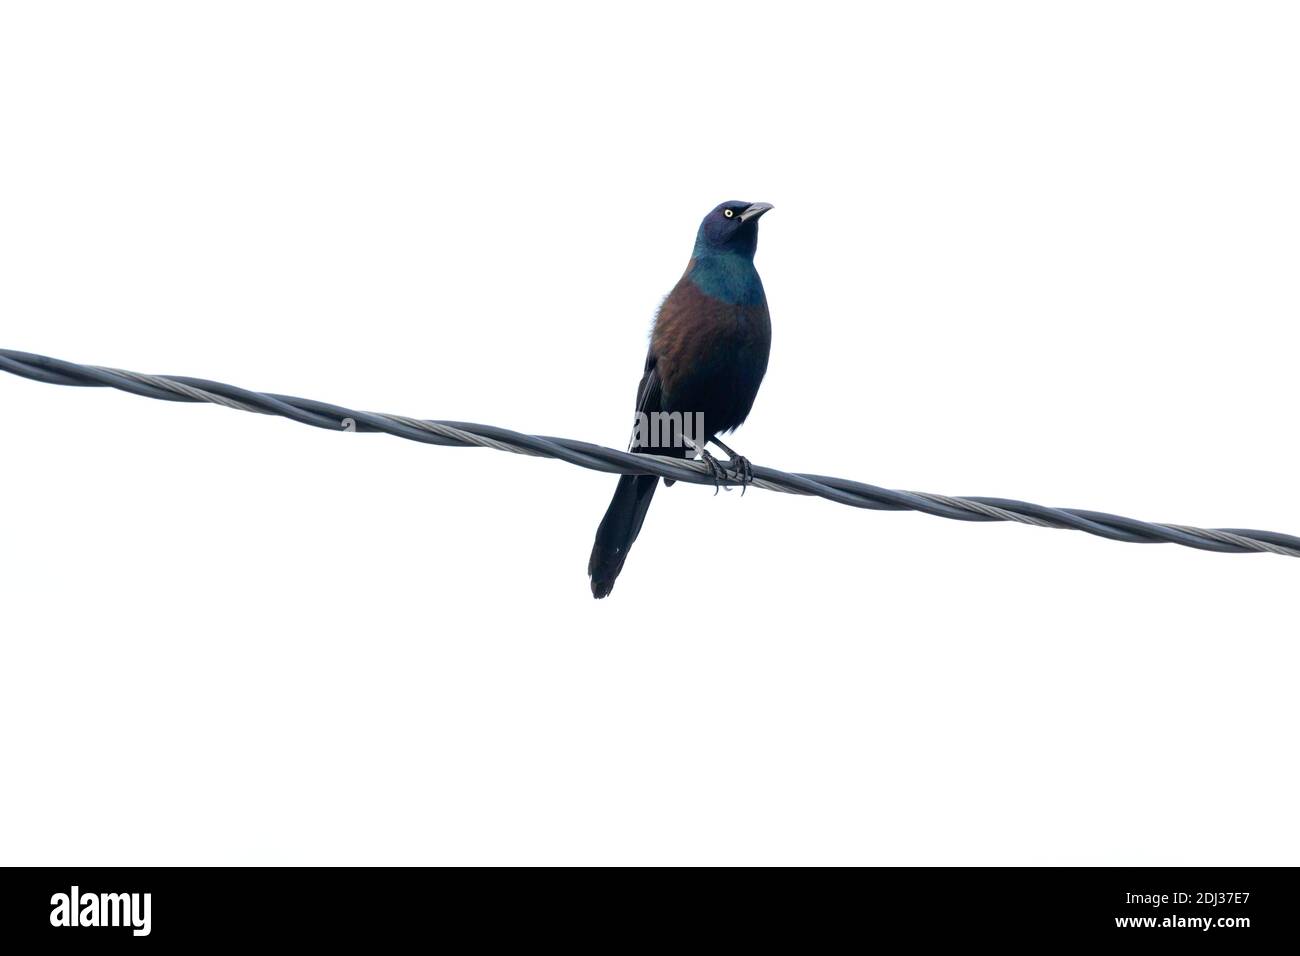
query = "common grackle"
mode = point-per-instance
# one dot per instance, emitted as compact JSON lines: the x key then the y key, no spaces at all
{"x":708,"y":353}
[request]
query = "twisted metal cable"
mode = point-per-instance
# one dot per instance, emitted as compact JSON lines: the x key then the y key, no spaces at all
{"x":177,"y":388}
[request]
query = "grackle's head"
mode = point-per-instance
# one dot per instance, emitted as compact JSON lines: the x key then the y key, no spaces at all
{"x":732,"y":227}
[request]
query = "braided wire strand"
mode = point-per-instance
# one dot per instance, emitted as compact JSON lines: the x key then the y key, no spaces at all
{"x":42,"y":368}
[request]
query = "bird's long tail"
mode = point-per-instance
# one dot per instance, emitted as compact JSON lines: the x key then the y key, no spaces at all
{"x":618,"y":529}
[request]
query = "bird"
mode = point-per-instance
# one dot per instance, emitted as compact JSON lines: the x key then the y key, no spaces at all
{"x":708,"y":354}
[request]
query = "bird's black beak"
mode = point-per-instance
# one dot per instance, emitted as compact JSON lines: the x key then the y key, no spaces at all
{"x":754,"y":210}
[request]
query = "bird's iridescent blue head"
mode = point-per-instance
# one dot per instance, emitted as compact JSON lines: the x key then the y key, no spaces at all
{"x":732,"y":227}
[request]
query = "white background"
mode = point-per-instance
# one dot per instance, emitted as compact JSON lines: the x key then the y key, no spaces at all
{"x":1033,"y":250}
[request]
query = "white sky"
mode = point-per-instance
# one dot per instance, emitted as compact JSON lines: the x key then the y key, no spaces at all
{"x":1017,"y":250}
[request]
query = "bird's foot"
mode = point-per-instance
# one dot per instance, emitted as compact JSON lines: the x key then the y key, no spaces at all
{"x":738,"y":464}
{"x":743,"y":470}
{"x":718,"y":473}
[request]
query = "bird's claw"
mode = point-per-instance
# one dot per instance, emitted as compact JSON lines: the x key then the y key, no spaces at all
{"x":743,"y":470}
{"x":718,"y":473}
{"x":737,"y":470}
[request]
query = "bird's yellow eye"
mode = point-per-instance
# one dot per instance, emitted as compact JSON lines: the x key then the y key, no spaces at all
{"x":728,"y":213}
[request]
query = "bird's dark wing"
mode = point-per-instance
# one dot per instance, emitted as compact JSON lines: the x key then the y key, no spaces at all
{"x":648,"y":395}
{"x":649,"y":399}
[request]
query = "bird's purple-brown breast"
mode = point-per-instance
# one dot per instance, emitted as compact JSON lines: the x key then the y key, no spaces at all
{"x":710,"y":354}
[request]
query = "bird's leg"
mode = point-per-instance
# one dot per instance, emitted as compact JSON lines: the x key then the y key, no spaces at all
{"x":738,"y":463}
{"x":715,"y":468}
